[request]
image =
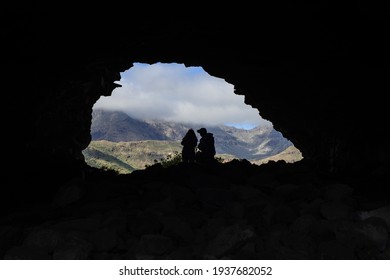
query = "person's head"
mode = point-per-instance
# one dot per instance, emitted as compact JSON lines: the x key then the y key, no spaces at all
{"x":202,"y":131}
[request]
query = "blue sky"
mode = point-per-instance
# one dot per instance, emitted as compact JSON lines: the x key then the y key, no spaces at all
{"x":174,"y":92}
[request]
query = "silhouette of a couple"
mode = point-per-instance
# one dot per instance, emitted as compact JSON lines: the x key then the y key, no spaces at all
{"x":205,"y":149}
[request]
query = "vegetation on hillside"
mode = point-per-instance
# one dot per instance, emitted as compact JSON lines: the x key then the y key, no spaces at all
{"x":125,"y":157}
{"x":289,"y":155}
{"x":129,"y":155}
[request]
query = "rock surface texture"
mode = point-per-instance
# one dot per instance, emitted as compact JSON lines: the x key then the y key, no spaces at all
{"x":232,"y":211}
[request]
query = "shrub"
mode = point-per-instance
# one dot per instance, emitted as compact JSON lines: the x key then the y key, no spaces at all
{"x":171,"y":159}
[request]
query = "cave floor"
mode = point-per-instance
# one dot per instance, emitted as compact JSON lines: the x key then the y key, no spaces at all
{"x":218,"y":211}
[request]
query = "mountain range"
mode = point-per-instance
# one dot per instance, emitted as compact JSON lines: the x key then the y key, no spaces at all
{"x":116,"y":129}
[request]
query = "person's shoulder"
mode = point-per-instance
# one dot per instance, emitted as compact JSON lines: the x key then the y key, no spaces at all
{"x":210,"y":136}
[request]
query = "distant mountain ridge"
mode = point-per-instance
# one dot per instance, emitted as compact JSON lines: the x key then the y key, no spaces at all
{"x":255,"y":144}
{"x":117,"y":126}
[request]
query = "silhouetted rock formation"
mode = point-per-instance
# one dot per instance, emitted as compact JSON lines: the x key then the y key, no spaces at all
{"x":221,"y":211}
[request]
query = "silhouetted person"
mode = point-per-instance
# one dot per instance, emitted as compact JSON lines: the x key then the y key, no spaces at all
{"x":206,"y":146}
{"x":189,"y":143}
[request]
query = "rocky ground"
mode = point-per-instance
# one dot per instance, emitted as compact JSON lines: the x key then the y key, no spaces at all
{"x":233,"y":211}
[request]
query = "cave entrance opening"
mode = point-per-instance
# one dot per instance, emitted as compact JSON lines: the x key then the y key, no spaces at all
{"x":144,"y":120}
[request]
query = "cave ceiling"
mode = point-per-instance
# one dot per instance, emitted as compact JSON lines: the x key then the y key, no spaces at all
{"x":318,"y":72}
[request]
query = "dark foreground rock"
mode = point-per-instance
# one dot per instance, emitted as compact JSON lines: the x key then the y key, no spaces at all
{"x":233,"y":211}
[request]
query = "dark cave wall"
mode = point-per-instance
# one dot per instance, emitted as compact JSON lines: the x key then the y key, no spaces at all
{"x":333,"y":113}
{"x":319,"y":74}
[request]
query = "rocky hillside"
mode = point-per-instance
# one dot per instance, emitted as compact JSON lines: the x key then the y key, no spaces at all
{"x":119,"y":127}
{"x":125,"y":157}
{"x":255,"y":144}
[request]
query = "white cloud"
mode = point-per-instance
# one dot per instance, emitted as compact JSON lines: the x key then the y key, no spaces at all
{"x":177,"y":93}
